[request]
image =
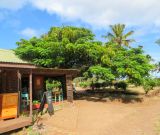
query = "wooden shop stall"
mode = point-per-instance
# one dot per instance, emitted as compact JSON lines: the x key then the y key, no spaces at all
{"x":20,"y":84}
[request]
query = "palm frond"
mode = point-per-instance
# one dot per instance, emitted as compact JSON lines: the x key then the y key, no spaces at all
{"x":128,"y":34}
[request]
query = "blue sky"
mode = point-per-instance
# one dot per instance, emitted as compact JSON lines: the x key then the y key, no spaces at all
{"x":27,"y":18}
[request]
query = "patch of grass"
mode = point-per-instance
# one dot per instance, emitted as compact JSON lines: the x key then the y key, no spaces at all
{"x":26,"y":131}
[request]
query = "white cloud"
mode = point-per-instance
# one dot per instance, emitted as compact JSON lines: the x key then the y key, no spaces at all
{"x":97,"y":13}
{"x":104,"y":12}
{"x":29,"y":32}
{"x":12,"y":4}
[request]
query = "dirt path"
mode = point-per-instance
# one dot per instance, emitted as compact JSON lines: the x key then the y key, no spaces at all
{"x":105,"y":118}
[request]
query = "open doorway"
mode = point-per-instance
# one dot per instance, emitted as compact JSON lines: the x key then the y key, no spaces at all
{"x":25,"y":84}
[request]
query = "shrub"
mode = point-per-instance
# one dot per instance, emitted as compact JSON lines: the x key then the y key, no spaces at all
{"x":84,"y":84}
{"x":78,"y":80}
{"x":123,"y":85}
{"x":157,"y":82}
{"x":106,"y":84}
{"x":97,"y":85}
{"x":53,"y":84}
{"x":149,"y":84}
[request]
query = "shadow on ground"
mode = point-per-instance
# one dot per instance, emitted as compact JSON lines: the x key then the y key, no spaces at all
{"x":108,"y":96}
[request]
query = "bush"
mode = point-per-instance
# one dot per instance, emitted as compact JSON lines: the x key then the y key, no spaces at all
{"x":84,"y":84}
{"x":106,"y":84}
{"x":53,"y":84}
{"x":149,"y":84}
{"x":122,"y":85}
{"x":98,"y":85}
{"x":78,"y":80}
{"x":157,"y":81}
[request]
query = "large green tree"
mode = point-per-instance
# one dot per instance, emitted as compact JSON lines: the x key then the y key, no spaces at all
{"x":118,"y":35}
{"x":74,"y":47}
{"x":67,"y":47}
{"x":122,"y":63}
{"x":127,"y":63}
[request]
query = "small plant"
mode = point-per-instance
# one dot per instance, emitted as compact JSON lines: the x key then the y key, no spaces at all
{"x":52,"y":85}
{"x":36,"y":102}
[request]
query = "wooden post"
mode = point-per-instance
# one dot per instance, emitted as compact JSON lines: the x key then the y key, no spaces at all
{"x":30,"y":92}
{"x":69,"y":88}
{"x":19,"y":91}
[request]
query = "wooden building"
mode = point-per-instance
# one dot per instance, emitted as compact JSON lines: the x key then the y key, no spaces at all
{"x":16,"y":74}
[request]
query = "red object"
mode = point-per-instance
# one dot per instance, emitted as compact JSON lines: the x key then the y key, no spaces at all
{"x":36,"y":106}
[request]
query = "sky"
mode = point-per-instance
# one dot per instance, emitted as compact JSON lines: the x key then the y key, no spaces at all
{"x":28,"y":18}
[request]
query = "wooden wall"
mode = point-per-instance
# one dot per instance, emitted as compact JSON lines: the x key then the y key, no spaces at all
{"x":9,"y":81}
{"x":0,"y":82}
{"x":69,"y":88}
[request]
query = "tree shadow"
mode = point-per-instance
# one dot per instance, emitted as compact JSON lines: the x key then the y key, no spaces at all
{"x":108,"y":96}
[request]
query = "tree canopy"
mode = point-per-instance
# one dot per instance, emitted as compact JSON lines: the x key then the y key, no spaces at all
{"x":67,"y":47}
{"x":76,"y":47}
{"x":120,"y":63}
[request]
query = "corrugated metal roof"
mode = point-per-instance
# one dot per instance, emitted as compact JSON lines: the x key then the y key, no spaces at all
{"x":10,"y":57}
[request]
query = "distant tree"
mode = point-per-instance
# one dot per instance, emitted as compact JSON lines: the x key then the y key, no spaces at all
{"x":127,"y":63}
{"x":118,"y":36}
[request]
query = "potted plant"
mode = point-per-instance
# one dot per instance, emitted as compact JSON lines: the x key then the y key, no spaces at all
{"x":36,"y":104}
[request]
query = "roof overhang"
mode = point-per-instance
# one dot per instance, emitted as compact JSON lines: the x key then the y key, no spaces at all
{"x":38,"y":70}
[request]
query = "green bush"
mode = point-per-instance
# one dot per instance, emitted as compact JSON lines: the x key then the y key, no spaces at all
{"x":84,"y":84}
{"x":149,"y":84}
{"x":122,"y":85}
{"x":157,"y":81}
{"x":53,"y":84}
{"x":78,"y":80}
{"x":97,"y":85}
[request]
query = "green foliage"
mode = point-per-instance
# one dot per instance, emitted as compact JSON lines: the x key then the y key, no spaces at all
{"x":99,"y":73}
{"x":129,"y":63}
{"x":36,"y":102}
{"x":157,"y":82}
{"x":149,"y":84}
{"x":122,"y":84}
{"x":74,"y":47}
{"x":66,"y":47}
{"x":84,"y":84}
{"x":157,"y":67}
{"x":53,"y":84}
{"x":117,"y":35}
